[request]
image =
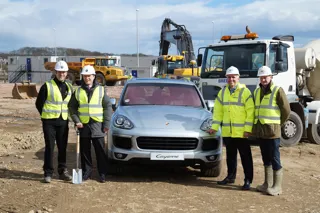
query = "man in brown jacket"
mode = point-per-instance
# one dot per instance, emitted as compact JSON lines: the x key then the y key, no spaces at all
{"x":272,"y":109}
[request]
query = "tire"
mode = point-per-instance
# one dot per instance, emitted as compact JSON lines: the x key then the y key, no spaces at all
{"x":71,"y":78}
{"x":212,"y":171}
{"x":292,"y":130}
{"x":100,"y":79}
{"x":313,"y":132}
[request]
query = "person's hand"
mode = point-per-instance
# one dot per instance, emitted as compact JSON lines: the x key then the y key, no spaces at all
{"x":211,"y":131}
{"x":79,"y":125}
{"x":105,"y":130}
{"x":246,"y":134}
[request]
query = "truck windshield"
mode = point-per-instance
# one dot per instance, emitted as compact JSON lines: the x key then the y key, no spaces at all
{"x":175,"y":64}
{"x":246,"y":57}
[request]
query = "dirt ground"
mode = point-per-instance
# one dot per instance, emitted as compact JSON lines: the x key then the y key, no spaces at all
{"x":143,"y":189}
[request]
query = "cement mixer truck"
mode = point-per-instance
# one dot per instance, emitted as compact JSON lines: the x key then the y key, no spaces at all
{"x":296,"y":70}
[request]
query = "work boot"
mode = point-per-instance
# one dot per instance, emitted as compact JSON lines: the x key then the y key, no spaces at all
{"x":276,"y":189}
{"x":225,"y":181}
{"x":64,"y":175}
{"x":268,"y":179}
{"x":47,"y":179}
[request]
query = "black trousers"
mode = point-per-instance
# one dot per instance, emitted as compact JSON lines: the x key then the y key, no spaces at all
{"x":55,"y":132}
{"x":232,"y":147}
{"x":86,"y":159}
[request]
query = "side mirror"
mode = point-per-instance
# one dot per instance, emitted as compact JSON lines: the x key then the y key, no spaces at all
{"x":279,"y":66}
{"x":199,"y":60}
{"x":113,"y":102}
{"x":279,"y":54}
{"x":153,"y":62}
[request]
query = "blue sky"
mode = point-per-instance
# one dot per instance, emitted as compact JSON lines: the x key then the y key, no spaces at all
{"x":110,"y":26}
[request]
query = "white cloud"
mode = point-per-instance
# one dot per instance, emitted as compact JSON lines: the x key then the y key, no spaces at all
{"x":110,"y":26}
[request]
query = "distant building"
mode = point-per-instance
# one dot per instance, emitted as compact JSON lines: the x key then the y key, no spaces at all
{"x":23,"y":68}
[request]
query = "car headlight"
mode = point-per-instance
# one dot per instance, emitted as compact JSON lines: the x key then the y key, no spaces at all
{"x":206,"y":125}
{"x":122,"y":122}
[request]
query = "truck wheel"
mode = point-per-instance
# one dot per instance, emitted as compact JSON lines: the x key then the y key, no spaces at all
{"x":292,"y":131}
{"x":100,"y":79}
{"x":314,"y":133}
{"x":71,"y":78}
{"x":212,"y":171}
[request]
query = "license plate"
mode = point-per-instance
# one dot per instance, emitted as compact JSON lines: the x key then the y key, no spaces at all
{"x":167,"y":156}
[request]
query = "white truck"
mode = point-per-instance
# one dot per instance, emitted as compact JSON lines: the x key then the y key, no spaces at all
{"x":296,"y":70}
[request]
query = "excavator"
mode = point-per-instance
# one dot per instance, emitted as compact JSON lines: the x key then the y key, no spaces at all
{"x":176,"y":66}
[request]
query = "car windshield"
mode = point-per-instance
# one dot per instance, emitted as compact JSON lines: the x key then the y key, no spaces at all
{"x":162,"y":94}
{"x":248,"y":58}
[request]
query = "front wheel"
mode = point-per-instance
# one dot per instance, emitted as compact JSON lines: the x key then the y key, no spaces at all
{"x":210,"y":171}
{"x":314,"y":133}
{"x":100,"y":79}
{"x":292,"y":130}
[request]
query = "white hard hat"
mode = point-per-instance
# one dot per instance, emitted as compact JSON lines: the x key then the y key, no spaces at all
{"x":88,"y":70}
{"x":232,"y":71}
{"x":264,"y":71}
{"x":61,"y":66}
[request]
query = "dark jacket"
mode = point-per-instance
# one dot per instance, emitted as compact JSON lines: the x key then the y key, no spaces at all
{"x":92,"y":129}
{"x":270,"y":131}
{"x":42,"y":97}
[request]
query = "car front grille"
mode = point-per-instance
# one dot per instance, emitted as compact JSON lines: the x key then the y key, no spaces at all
{"x":167,"y":143}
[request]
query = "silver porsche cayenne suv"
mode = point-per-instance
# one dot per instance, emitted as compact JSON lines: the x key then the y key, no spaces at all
{"x":164,"y":121}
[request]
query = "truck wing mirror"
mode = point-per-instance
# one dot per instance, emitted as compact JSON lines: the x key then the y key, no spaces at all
{"x":279,"y":54}
{"x":199,"y":60}
{"x":153,"y":62}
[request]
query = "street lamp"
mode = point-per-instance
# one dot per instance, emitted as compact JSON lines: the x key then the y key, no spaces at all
{"x":137,"y":10}
{"x":55,"y":47}
{"x":213,"y":31}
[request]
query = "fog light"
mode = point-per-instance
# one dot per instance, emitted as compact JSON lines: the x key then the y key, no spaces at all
{"x":211,"y":157}
{"x":120,"y":155}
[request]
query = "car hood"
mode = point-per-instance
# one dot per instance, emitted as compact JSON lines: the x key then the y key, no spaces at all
{"x":164,"y":117}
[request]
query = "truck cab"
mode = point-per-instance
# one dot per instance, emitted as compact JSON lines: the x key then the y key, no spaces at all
{"x":248,"y":54}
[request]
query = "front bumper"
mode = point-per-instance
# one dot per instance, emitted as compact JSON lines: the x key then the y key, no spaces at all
{"x":123,"y":146}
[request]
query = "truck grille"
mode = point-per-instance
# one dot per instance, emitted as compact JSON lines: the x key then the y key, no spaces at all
{"x":167,"y":143}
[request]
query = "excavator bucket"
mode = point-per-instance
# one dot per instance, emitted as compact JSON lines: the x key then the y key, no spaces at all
{"x":24,"y":90}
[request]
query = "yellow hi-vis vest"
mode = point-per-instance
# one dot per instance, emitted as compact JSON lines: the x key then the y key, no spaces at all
{"x":267,"y":111}
{"x":93,"y":109}
{"x":235,"y":111}
{"x":54,"y":105}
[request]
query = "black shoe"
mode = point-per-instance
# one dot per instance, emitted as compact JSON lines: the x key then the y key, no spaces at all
{"x":86,"y":176}
{"x":65,"y":175}
{"x":226,"y":181}
{"x":246,"y":185}
{"x":102,"y":178}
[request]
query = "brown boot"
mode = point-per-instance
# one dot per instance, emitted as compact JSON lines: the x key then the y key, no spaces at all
{"x":276,"y":189}
{"x":268,"y":179}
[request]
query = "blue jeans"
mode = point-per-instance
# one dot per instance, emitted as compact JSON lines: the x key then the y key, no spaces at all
{"x":270,"y":152}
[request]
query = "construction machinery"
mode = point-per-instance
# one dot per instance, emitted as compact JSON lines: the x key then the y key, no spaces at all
{"x":296,"y":70}
{"x":107,"y":73}
{"x":175,"y":66}
{"x":24,"y":90}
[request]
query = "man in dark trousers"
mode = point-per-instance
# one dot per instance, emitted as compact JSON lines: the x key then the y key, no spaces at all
{"x":234,"y":110}
{"x":91,"y":111}
{"x":52,"y":104}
